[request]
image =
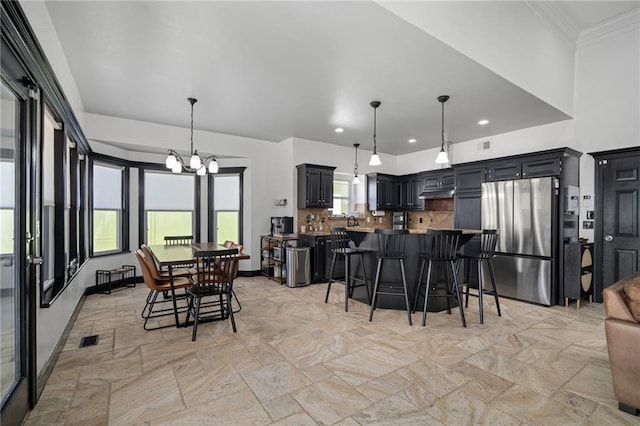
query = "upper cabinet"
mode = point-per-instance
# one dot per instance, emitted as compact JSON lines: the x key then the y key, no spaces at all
{"x":383,"y":191}
{"x":411,"y":187}
{"x":469,"y":178}
{"x":315,"y":186}
{"x":525,"y":168}
{"x":439,"y":180}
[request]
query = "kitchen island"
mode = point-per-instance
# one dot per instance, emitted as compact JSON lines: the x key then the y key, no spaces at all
{"x":366,"y":238}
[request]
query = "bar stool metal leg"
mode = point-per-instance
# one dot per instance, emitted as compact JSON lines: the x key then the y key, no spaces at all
{"x":419,"y":285}
{"x":333,"y":264}
{"x":406,"y":293}
{"x":374,"y":297}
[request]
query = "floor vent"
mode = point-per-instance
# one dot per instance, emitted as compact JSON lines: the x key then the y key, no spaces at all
{"x":89,"y":341}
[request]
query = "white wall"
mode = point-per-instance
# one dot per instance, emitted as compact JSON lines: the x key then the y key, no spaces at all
{"x":506,"y":37}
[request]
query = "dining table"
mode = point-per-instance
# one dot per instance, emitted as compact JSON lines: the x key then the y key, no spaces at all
{"x":172,"y":256}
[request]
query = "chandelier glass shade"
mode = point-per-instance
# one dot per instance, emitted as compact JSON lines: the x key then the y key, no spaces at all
{"x":442,"y":155}
{"x":196,"y":165}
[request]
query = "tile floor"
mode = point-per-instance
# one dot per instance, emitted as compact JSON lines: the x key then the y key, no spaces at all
{"x":298,"y":361}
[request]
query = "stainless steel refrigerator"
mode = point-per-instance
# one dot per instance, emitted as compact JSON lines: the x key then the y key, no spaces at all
{"x":525,"y":214}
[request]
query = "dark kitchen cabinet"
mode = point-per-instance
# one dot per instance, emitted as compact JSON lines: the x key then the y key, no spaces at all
{"x":469,"y":179}
{"x":383,"y":192}
{"x":525,"y":168}
{"x":321,"y":257}
{"x":315,"y":186}
{"x":410,"y":190}
{"x":439,"y":180}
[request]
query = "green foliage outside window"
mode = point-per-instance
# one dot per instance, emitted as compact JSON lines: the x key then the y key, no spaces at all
{"x":227,"y":223}
{"x":106,"y":228}
{"x":168,"y":223}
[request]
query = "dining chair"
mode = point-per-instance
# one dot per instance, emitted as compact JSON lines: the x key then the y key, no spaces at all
{"x":157,"y":286}
{"x":172,"y":240}
{"x":488,"y":241}
{"x":213,"y":281}
{"x":441,"y":250}
{"x":340,"y":247}
{"x":391,"y":248}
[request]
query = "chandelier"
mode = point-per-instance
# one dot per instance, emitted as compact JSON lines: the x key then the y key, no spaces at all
{"x":356,"y":179}
{"x":196,"y":164}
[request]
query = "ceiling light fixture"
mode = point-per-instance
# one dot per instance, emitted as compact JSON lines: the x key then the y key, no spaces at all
{"x":375,"y":158}
{"x":442,"y":155}
{"x":338,"y":130}
{"x":356,"y":179}
{"x":483,"y":122}
{"x":412,"y":140}
{"x":196,"y":164}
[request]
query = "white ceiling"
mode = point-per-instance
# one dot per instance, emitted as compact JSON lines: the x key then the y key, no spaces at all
{"x":272,"y":70}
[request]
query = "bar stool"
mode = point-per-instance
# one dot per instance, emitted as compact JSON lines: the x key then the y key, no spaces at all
{"x":488,"y":241}
{"x":442,"y":247}
{"x":340,"y":246}
{"x":390,"y":247}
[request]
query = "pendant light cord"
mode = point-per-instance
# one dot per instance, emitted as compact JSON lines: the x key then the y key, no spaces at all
{"x":374,"y":130}
{"x":442,"y":146}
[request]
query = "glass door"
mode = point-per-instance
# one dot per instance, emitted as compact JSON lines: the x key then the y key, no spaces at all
{"x":18,"y":137}
{"x":9,"y":281}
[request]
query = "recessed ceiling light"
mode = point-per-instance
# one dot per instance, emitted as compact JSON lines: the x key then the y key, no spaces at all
{"x":338,"y":130}
{"x":412,"y":140}
{"x":483,"y":122}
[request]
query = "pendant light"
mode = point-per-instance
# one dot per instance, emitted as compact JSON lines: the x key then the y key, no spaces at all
{"x":375,"y":158}
{"x":356,"y":179}
{"x":196,"y":165}
{"x":442,"y":155}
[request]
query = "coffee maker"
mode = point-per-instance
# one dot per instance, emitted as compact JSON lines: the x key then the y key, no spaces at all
{"x":281,"y":225}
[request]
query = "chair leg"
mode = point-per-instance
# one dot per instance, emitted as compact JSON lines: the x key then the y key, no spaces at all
{"x":333,"y":264}
{"x":366,"y":281}
{"x":455,"y":285}
{"x":480,"y":291}
{"x":347,"y":287}
{"x":375,"y":290}
{"x":406,"y":292}
{"x":419,"y":284}
{"x":447,"y":288}
{"x":426,"y":295}
{"x":467,"y":276}
{"x":196,"y":316}
{"x":230,"y":309}
{"x":492,"y":274}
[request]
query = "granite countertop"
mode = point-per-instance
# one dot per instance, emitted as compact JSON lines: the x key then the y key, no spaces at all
{"x":371,"y":230}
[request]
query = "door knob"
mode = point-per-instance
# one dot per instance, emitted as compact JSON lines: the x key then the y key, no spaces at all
{"x":608,"y":237}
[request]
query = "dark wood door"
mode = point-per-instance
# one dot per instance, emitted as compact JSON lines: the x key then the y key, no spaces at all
{"x":619,"y":190}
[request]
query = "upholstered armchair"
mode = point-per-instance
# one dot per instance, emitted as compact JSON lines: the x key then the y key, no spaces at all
{"x":622,"y":328}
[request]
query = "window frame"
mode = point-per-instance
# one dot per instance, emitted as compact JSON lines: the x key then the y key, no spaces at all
{"x":350,"y":197}
{"x":142,"y":212}
{"x":124,"y":222}
{"x":210,"y":197}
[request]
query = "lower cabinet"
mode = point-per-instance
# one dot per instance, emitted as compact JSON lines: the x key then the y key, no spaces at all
{"x":321,"y":257}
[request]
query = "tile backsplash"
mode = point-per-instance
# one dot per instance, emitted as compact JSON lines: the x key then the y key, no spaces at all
{"x":438,"y":214}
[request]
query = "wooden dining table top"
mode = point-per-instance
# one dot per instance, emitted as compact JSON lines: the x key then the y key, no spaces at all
{"x":169,"y":255}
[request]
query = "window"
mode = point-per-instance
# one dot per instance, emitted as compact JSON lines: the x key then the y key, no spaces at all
{"x":225,"y":205}
{"x":342,"y":194}
{"x":108,"y":212}
{"x":169,"y":205}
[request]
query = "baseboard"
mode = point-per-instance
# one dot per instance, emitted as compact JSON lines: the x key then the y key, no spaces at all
{"x":249,"y":273}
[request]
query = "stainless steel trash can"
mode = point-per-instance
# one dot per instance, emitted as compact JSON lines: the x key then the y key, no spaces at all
{"x":298,"y":266}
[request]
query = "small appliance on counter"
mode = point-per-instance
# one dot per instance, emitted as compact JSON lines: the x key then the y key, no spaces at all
{"x":281,"y":225}
{"x":400,"y":220}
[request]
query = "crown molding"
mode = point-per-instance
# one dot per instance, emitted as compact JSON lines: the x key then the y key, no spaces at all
{"x":556,"y":19}
{"x":623,"y":22}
